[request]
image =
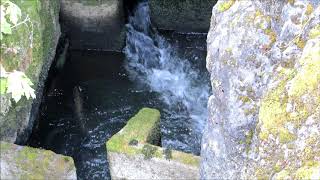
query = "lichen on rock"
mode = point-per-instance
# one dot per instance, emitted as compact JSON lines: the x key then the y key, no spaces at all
{"x":18,"y":162}
{"x":272,"y":89}
{"x":225,"y":5}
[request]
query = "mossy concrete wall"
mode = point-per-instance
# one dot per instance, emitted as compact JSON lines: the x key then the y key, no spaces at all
{"x":92,"y":24}
{"x":132,"y":155}
{"x":30,"y":48}
{"x":181,"y":16}
{"x":22,"y":162}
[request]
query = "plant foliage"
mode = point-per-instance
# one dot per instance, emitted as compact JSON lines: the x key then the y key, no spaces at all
{"x":10,"y":14}
{"x":16,"y":83}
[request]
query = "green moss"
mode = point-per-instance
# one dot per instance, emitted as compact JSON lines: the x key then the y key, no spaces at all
{"x":273,"y":115}
{"x":3,"y":85}
{"x":272,"y":112}
{"x":67,"y":159}
{"x":277,"y":168}
{"x":144,"y":128}
{"x":29,"y":48}
{"x":25,"y":43}
{"x":35,"y":163}
{"x":223,"y":6}
{"x":293,"y":99}
{"x":308,"y":78}
{"x":285,"y":136}
{"x":31,"y":42}
{"x":249,"y":136}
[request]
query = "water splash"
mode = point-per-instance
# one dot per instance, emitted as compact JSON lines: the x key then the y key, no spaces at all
{"x":153,"y":61}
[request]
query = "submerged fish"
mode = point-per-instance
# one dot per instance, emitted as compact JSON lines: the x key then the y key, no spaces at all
{"x":63,"y":56}
{"x":78,"y":107}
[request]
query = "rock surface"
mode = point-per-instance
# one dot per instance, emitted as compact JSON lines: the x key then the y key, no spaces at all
{"x":133,"y":154}
{"x":182,"y":16}
{"x":22,"y":162}
{"x":94,"y":24}
{"x":264,"y":113}
{"x":30,"y":48}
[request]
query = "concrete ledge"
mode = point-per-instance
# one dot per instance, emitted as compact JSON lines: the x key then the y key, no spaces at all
{"x":22,"y":162}
{"x":131,"y":154}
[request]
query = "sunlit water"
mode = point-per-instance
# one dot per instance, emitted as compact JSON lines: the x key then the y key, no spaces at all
{"x":95,"y":93}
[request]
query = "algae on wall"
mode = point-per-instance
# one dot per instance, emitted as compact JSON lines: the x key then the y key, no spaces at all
{"x":30,"y":49}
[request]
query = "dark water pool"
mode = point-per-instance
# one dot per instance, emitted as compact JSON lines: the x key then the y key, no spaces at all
{"x":92,"y":97}
{"x":87,"y":102}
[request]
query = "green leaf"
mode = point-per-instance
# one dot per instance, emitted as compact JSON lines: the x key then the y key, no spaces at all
{"x":3,"y":85}
{"x":14,"y":12}
{"x":4,"y":1}
{"x":4,"y":25}
{"x":2,"y":12}
{"x":3,"y":72}
{"x":20,"y":85}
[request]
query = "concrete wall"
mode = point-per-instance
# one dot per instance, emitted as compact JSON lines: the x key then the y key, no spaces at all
{"x":124,"y":166}
{"x":94,"y":24}
{"x":22,"y":162}
{"x":31,"y":49}
{"x":133,"y":155}
{"x":182,"y":16}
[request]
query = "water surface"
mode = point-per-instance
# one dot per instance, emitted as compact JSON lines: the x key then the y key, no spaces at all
{"x":95,"y":93}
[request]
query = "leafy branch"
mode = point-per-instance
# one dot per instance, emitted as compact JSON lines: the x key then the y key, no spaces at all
{"x":12,"y":12}
{"x":16,"y":82}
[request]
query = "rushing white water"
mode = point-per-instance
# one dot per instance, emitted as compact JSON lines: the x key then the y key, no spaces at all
{"x":153,"y":61}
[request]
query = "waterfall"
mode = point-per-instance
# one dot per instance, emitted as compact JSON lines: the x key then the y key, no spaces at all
{"x":153,"y":61}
